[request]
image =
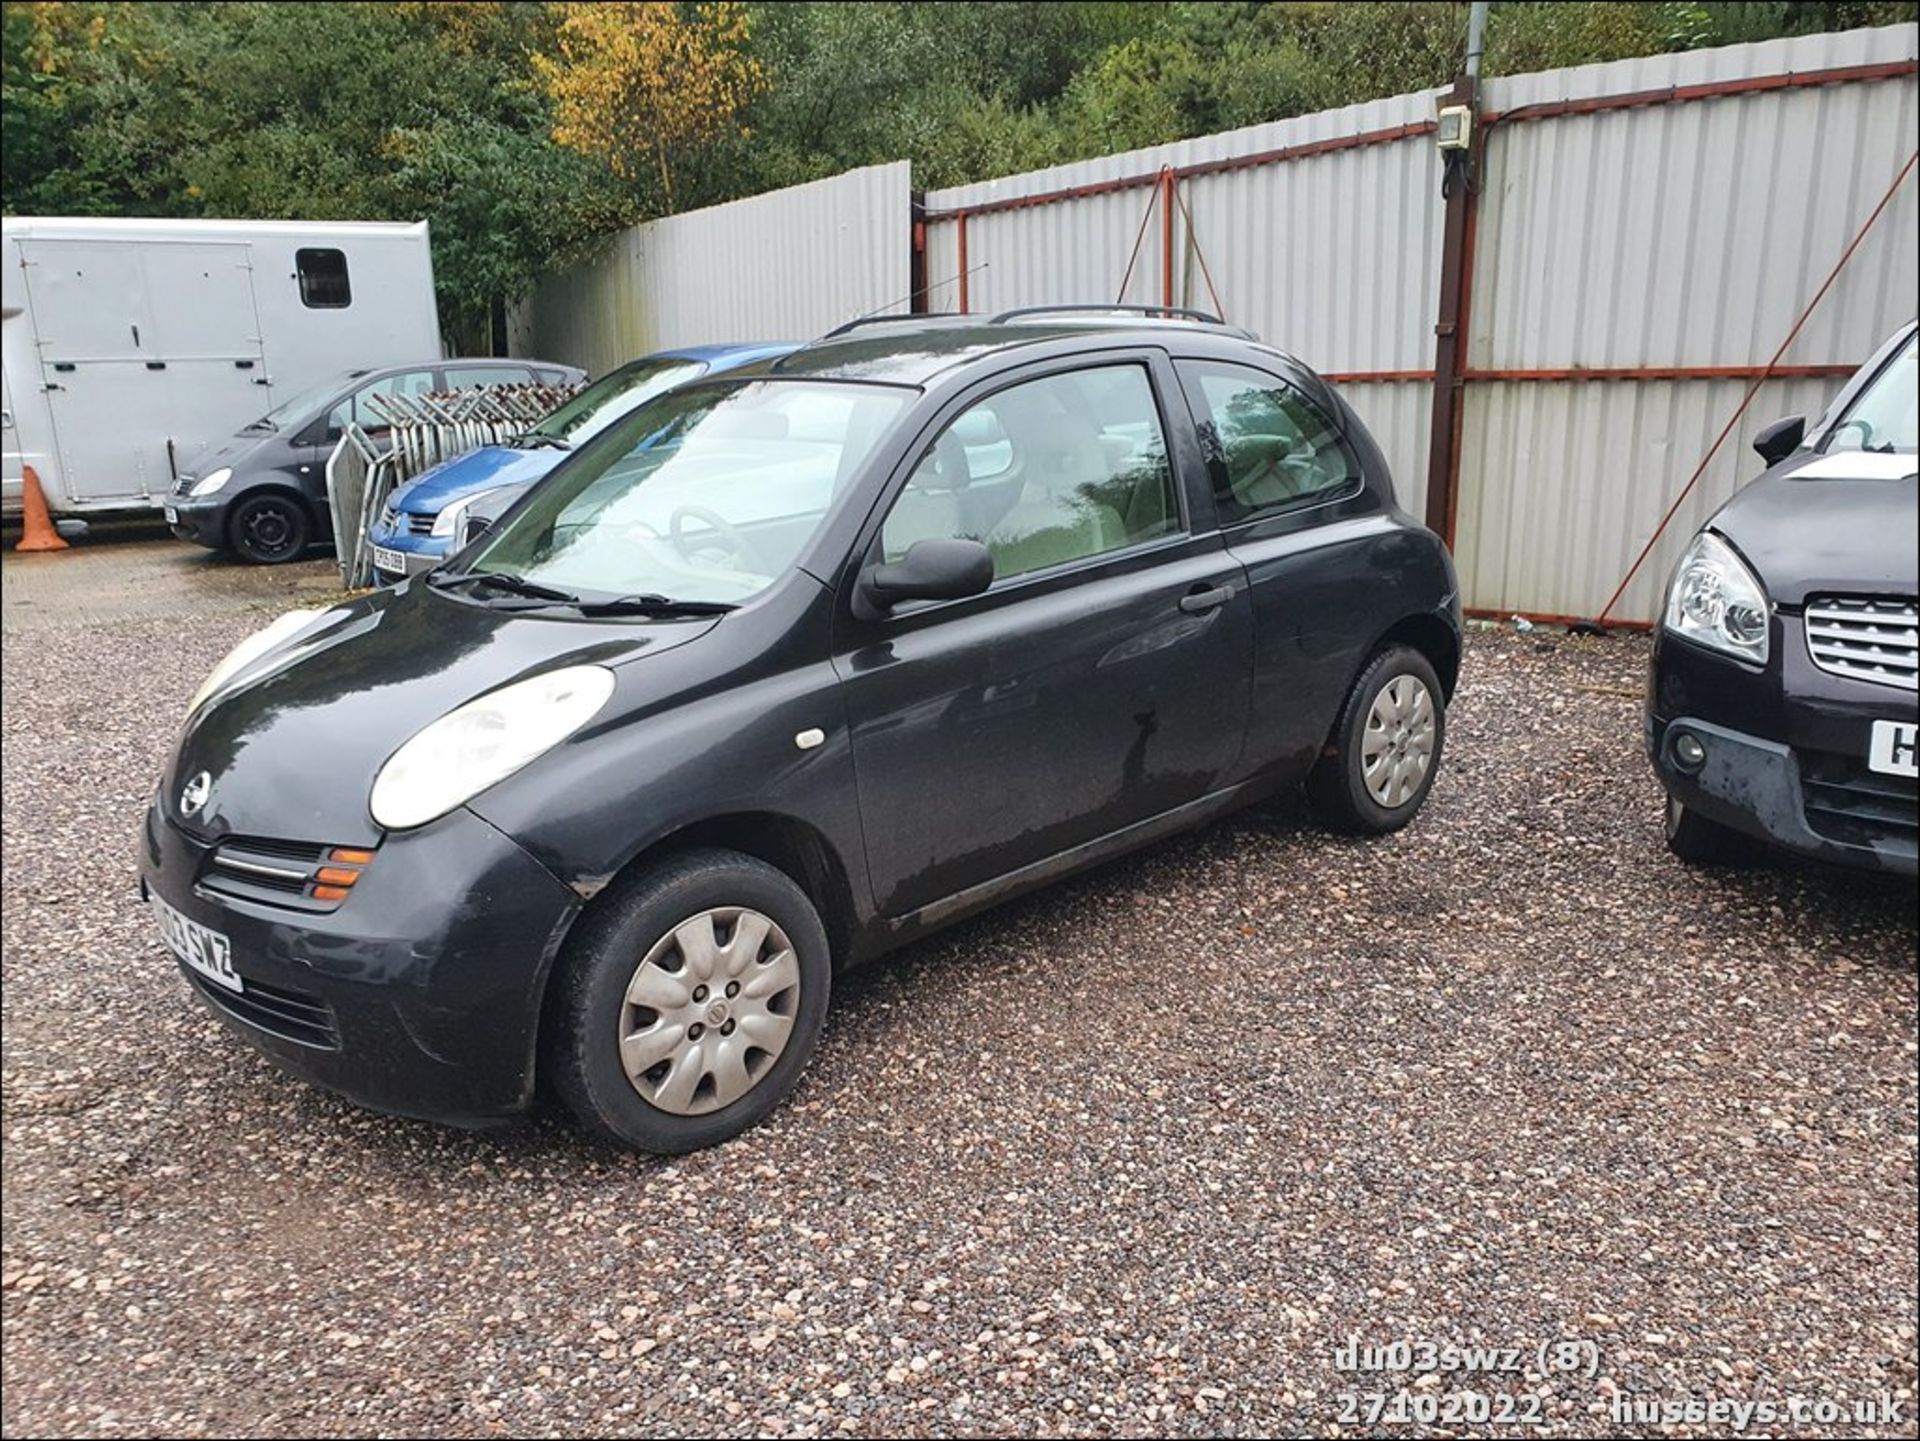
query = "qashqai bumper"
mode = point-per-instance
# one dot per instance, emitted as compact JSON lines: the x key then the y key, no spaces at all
{"x":1783,"y":753}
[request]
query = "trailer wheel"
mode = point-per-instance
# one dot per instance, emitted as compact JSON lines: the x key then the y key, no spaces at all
{"x":269,"y":529}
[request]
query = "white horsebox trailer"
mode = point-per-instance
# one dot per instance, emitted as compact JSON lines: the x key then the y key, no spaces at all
{"x":132,"y":346}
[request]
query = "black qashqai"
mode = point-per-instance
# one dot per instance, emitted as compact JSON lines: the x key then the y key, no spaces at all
{"x":785,"y":669}
{"x":1781,"y":699}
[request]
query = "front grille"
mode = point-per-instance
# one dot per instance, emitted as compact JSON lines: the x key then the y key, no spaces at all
{"x":277,"y":872}
{"x":1848,"y":803}
{"x":184,"y":486}
{"x":407,"y":520}
{"x":281,"y":1011}
{"x":1870,"y":640}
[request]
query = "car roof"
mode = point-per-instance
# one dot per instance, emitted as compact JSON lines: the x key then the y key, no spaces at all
{"x":377,"y":372}
{"x":734,"y":350}
{"x":916,"y":349}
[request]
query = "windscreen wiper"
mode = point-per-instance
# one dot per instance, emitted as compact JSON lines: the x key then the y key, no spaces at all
{"x":502,"y":581}
{"x":654,"y":605}
{"x":534,"y":440}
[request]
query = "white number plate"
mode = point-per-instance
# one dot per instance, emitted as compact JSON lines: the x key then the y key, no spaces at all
{"x":1892,"y":749}
{"x":173,"y":516}
{"x":208,"y":952}
{"x":391,"y":561}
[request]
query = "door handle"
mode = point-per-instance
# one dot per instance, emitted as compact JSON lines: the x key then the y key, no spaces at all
{"x":1198,"y":602}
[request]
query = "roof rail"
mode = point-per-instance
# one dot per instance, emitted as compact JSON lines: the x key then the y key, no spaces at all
{"x":861,"y":320}
{"x":1170,"y":312}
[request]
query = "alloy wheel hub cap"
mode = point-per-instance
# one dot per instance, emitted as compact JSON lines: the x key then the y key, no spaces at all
{"x":709,"y":1010}
{"x":1396,"y":748}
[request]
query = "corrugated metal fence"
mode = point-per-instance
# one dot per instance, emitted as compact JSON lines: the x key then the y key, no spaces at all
{"x":782,"y":266}
{"x":1322,"y":233}
{"x":1647,"y":231}
{"x":1640,"y":251}
{"x":1633,"y":270}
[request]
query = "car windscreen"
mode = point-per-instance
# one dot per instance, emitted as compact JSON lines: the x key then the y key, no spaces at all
{"x":704,"y":494}
{"x":612,"y":396}
{"x":1885,"y":416}
{"x":301,"y":404}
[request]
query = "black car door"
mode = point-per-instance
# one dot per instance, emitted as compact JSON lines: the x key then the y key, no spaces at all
{"x":1104,"y":677}
{"x":1293,"y":509}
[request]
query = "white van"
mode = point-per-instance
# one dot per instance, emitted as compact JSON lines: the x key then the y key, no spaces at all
{"x":133,"y":347}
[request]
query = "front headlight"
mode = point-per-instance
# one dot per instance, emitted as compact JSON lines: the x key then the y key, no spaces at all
{"x":212,"y":481}
{"x":283,"y":629}
{"x":448,"y":521}
{"x":484,"y":741}
{"x":1715,"y":601}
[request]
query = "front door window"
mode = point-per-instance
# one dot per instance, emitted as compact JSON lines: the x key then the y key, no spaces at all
{"x":1045,"y":473}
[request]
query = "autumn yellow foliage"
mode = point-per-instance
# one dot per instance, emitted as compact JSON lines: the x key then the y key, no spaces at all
{"x":633,"y":81}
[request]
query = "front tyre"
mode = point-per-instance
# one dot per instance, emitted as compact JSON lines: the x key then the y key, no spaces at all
{"x":1701,"y":842}
{"x":269,"y":529}
{"x":689,"y":1002}
{"x":1385,"y":748}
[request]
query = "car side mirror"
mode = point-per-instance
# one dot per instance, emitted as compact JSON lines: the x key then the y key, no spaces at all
{"x":945,"y":569}
{"x":1781,"y":439}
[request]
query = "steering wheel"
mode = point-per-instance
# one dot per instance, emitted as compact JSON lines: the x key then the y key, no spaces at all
{"x":725,"y":534}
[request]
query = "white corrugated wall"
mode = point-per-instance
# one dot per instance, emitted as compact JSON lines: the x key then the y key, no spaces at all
{"x":1678,"y":236}
{"x":1333,"y":257}
{"x":1685,"y":236}
{"x":782,"y":266}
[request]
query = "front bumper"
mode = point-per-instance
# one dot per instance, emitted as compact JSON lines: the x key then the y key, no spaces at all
{"x":1785,"y":752}
{"x":420,"y":995}
{"x":203,"y":521}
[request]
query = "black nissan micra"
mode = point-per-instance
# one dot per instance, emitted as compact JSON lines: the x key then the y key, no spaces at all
{"x":785,"y":669}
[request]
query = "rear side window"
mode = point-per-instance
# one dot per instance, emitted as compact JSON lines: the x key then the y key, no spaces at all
{"x":1268,"y":447}
{"x":323,"y":279}
{"x":356,"y":407}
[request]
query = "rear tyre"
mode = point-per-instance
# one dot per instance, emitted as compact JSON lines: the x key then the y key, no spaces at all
{"x":1385,"y":748}
{"x":269,"y":529}
{"x":689,"y":1002}
{"x":1701,"y":842}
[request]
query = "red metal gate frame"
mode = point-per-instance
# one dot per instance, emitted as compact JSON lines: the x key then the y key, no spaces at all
{"x":1444,"y":456}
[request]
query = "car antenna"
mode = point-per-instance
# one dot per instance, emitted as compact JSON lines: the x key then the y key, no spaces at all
{"x":874,"y":316}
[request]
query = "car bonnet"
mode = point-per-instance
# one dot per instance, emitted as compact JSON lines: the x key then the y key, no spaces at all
{"x":1838,"y":524}
{"x":292,"y":748}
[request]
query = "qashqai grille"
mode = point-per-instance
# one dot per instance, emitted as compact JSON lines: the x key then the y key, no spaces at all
{"x":1866,"y":639}
{"x":1849,"y":802}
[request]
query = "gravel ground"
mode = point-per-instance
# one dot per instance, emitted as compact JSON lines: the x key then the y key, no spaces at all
{"x":1130,"y":1157}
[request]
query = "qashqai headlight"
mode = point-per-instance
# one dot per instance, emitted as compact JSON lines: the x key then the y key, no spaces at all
{"x":1715,"y":601}
{"x":485,"y":741}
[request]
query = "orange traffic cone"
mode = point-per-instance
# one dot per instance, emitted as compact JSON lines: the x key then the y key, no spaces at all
{"x":40,"y":534}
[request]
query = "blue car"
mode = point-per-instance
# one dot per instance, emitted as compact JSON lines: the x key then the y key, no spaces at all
{"x":421,"y":524}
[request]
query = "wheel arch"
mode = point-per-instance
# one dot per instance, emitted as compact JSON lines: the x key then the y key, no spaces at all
{"x":1433,"y":638}
{"x":795,"y":848}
